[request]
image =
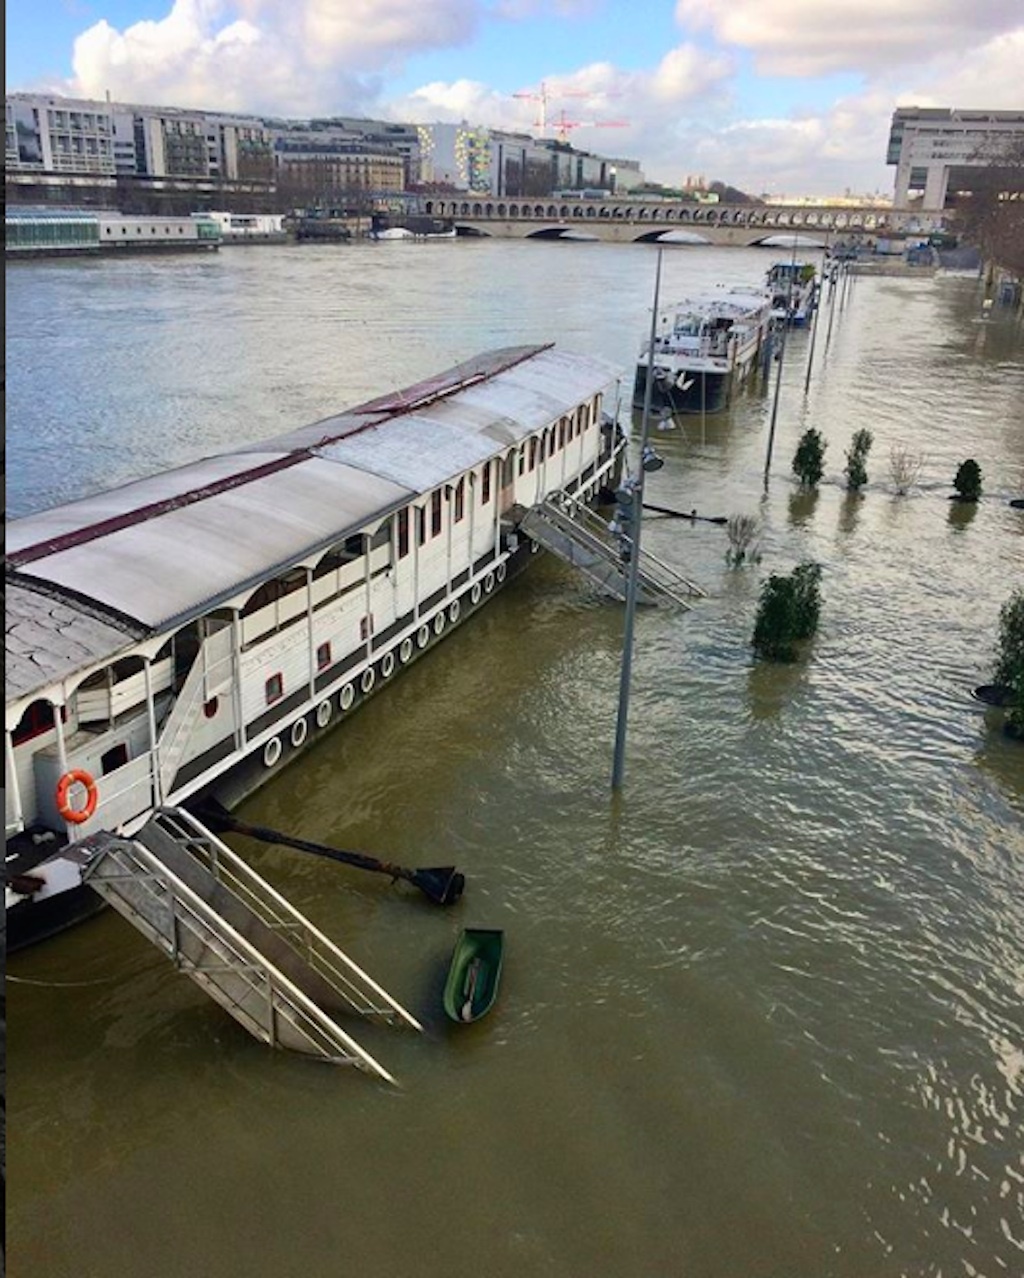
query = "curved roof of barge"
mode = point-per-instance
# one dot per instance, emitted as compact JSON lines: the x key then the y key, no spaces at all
{"x":87,"y":581}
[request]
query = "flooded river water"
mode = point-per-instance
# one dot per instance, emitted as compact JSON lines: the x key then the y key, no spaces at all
{"x":761,"y":1016}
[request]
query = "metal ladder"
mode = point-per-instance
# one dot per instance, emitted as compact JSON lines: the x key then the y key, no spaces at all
{"x":237,"y":937}
{"x":572,"y":531}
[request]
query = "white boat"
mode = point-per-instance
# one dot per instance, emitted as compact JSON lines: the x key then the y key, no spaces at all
{"x":702,"y":348}
{"x":192,"y":633}
{"x":794,"y":289}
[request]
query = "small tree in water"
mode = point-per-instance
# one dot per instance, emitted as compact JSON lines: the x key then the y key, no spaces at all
{"x":856,"y":460}
{"x":1010,"y":659}
{"x":809,"y":458}
{"x":905,"y":466}
{"x":967,"y":480}
{"x":744,"y":533}
{"x":787,"y":612}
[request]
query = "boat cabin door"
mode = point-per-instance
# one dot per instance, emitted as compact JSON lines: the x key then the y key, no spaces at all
{"x":507,"y":482}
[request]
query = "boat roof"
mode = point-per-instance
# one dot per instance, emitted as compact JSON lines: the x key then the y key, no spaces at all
{"x":734,"y":302}
{"x":95,"y":576}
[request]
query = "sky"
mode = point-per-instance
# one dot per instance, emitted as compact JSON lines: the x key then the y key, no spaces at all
{"x":781,"y":97}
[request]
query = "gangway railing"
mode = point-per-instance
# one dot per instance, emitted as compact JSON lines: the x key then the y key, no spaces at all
{"x":237,"y":937}
{"x":570,"y":529}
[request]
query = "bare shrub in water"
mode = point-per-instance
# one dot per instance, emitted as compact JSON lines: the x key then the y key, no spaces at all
{"x":744,"y":533}
{"x":905,"y":468}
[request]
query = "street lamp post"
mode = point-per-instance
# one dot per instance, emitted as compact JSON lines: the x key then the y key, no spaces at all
{"x":633,"y":542}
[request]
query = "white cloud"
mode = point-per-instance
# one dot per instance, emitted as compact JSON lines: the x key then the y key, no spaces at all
{"x":295,"y":58}
{"x":797,"y":37}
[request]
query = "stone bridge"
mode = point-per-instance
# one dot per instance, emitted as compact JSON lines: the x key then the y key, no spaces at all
{"x":622,"y":220}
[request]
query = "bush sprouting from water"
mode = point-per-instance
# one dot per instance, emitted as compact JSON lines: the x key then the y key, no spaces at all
{"x":856,"y":460}
{"x":1010,"y":659}
{"x":787,"y":612}
{"x":905,"y":468}
{"x":967,"y":480}
{"x":809,"y":458}
{"x":744,"y":533}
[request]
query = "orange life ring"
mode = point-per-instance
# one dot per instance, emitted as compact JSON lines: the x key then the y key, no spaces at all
{"x":76,"y":815}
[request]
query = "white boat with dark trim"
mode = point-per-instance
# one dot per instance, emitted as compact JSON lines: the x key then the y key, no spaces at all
{"x":793,"y":286}
{"x":189,"y":634}
{"x":702,"y":348}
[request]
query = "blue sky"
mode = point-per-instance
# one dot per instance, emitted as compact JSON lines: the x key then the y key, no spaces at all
{"x":787,"y":96}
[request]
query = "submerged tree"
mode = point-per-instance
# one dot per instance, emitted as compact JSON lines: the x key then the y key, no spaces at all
{"x":856,"y":460}
{"x":787,"y":612}
{"x":809,"y":458}
{"x":1009,"y":671}
{"x":744,"y":533}
{"x":905,"y":468}
{"x":967,"y":480}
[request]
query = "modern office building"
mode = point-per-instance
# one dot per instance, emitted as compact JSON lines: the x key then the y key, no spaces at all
{"x":938,"y":151}
{"x":75,"y":150}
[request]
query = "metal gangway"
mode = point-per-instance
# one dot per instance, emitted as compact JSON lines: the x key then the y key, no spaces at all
{"x":571,"y":530}
{"x":237,"y":937}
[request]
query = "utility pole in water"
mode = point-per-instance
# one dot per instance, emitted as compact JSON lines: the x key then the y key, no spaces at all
{"x":633,"y":576}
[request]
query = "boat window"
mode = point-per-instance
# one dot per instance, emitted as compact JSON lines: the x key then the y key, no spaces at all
{"x":210,"y":708}
{"x":113,"y":759}
{"x":508,"y":469}
{"x":522,"y":460}
{"x":382,"y":537}
{"x":561,"y":432}
{"x":421,"y":525}
{"x":331,"y":562}
{"x":37,"y":719}
{"x":274,"y":688}
{"x":403,"y":532}
{"x":435,"y":513}
{"x":354,"y":546}
{"x":533,"y":454}
{"x":485,"y":484}
{"x":460,"y":499}
{"x":323,"y":656}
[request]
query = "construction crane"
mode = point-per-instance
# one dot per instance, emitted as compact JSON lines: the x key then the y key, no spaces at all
{"x":563,"y":126}
{"x":543,"y":98}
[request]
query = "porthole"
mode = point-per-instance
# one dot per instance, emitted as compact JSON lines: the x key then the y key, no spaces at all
{"x":323,"y":714}
{"x":298,"y":733}
{"x":439,"y":623}
{"x":367,"y":679}
{"x":405,"y":651}
{"x":387,"y":665}
{"x":454,"y":608}
{"x":346,"y":696}
{"x":271,"y":752}
{"x":422,"y":636}
{"x":475,"y":593}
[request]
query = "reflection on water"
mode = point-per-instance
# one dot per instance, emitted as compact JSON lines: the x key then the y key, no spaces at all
{"x":761,"y":1014}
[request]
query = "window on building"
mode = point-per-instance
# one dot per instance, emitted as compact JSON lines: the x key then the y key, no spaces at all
{"x":274,"y":688}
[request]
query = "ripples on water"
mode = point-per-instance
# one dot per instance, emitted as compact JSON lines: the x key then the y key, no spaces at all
{"x":762,"y":1015}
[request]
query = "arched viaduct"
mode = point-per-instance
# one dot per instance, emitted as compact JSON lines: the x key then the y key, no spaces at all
{"x":624,"y":221}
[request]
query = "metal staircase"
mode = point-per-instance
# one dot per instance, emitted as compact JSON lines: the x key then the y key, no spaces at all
{"x":573,"y":532}
{"x":237,"y":938}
